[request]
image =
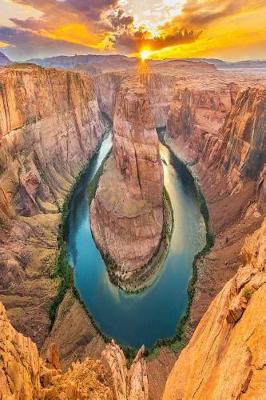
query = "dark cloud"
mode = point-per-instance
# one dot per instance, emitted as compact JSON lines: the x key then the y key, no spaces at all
{"x":89,"y":10}
{"x":119,"y":20}
{"x":92,"y":9}
{"x":134,"y":41}
{"x":104,"y":18}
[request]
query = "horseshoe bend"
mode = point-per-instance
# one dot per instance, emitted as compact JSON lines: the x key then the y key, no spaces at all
{"x":132,"y":230}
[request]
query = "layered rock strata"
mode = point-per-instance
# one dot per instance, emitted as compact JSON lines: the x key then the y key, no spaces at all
{"x":225,"y":357}
{"x":127,"y":211}
{"x":24,"y":375}
{"x":50,"y":125}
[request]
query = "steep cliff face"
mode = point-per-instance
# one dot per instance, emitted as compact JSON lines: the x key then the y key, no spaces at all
{"x":107,"y":86}
{"x":244,"y":136}
{"x":208,"y":130}
{"x":225,"y":357}
{"x":50,"y":125}
{"x":26,"y":376}
{"x":222,"y":128}
{"x":196,"y":127}
{"x":195,"y":118}
{"x":127,"y":212}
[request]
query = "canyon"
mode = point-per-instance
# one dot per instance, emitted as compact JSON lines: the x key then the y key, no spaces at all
{"x":51,"y":124}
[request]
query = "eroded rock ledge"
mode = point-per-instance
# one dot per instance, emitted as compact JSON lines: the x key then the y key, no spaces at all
{"x":127,"y":211}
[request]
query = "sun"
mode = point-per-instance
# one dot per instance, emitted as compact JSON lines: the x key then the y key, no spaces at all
{"x":144,"y":54}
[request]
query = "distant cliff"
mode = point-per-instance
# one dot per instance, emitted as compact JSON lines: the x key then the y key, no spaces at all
{"x":4,"y":60}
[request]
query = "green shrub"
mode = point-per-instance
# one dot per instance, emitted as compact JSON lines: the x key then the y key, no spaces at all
{"x":248,"y":292}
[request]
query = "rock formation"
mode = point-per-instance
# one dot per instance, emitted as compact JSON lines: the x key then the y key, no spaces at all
{"x":26,"y":376}
{"x":127,"y":212}
{"x":225,"y":357}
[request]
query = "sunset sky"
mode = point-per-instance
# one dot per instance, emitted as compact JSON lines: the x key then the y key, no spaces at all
{"x":227,"y":29}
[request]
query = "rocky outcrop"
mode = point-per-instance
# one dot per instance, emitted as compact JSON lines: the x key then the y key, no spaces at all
{"x":73,"y":333}
{"x":129,"y":384}
{"x":225,"y":358}
{"x":26,"y":376}
{"x":127,"y":212}
{"x":50,"y":125}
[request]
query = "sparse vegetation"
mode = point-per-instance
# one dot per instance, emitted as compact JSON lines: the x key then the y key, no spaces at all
{"x":248,"y":292}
